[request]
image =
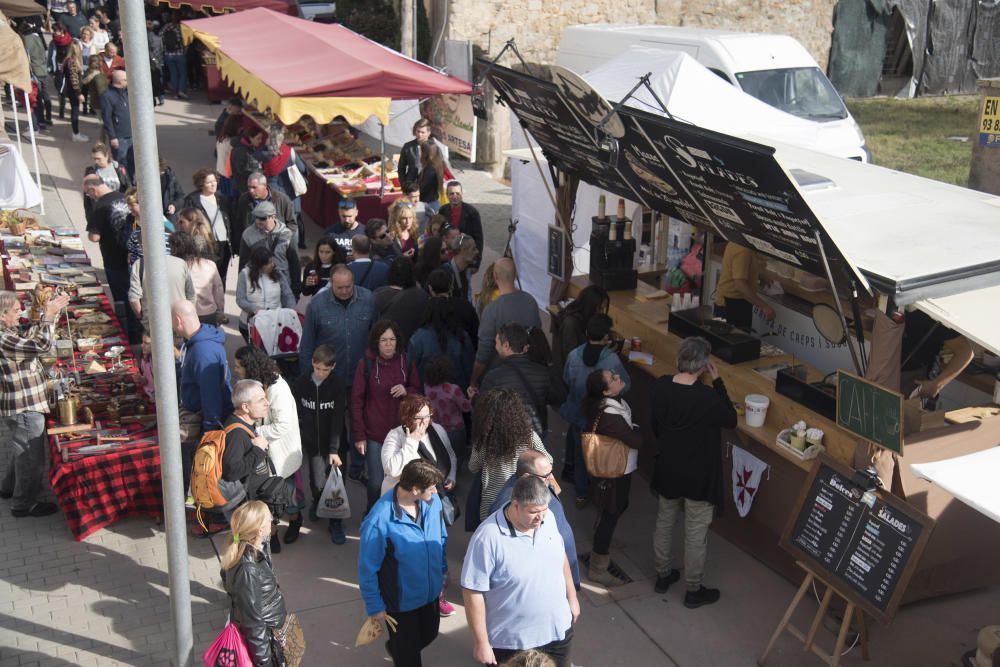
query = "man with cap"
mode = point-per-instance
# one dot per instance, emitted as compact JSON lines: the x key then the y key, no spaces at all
{"x":273,"y":233}
{"x":259,"y":191}
{"x":348,"y":227}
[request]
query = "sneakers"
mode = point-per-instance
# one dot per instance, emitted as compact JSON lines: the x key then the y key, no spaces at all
{"x":189,"y":502}
{"x":701,"y":597}
{"x":663,"y":581}
{"x":357,"y":477}
{"x":336,"y":529}
{"x":80,"y":138}
{"x":36,"y":510}
{"x":182,"y":96}
{"x":445,"y":608}
{"x":292,"y":534}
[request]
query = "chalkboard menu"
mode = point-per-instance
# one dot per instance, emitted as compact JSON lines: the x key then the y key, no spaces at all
{"x":864,"y":544}
{"x":870,"y":411}
{"x":732,"y":186}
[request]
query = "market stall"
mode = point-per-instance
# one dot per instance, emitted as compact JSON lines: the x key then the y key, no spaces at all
{"x":325,"y":73}
{"x":103,"y":445}
{"x":848,"y":228}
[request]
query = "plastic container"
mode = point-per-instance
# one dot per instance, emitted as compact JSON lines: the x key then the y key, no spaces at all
{"x":756,"y":407}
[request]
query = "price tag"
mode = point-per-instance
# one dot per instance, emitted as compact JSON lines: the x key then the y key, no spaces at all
{"x":989,"y":123}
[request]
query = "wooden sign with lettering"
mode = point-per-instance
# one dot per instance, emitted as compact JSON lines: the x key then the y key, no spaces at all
{"x":865,"y":544}
{"x":870,"y":411}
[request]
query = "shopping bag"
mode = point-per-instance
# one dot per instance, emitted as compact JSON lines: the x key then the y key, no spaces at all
{"x":299,"y":186}
{"x":228,"y":650}
{"x":333,"y":503}
{"x":372,"y":630}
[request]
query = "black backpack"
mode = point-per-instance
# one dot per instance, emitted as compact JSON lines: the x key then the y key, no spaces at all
{"x":172,"y":40}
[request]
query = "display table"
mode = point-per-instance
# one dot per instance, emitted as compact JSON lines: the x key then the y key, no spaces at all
{"x":949,"y":563}
{"x":93,"y":488}
{"x":321,"y":201}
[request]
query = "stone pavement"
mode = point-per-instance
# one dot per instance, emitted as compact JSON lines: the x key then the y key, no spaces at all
{"x":104,"y":601}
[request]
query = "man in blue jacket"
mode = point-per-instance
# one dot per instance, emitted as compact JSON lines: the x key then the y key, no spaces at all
{"x":533,"y":462}
{"x":402,"y":562}
{"x":115,"y":115}
{"x":340,"y":315}
{"x":203,"y":381}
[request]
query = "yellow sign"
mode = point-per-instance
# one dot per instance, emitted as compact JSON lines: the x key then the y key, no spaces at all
{"x":989,"y":123}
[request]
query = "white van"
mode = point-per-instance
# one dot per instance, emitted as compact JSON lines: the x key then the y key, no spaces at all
{"x":775,"y":69}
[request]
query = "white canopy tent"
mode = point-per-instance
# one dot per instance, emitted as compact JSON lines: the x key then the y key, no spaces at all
{"x":970,"y":478}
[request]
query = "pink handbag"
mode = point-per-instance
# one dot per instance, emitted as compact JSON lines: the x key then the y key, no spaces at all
{"x":228,"y":650}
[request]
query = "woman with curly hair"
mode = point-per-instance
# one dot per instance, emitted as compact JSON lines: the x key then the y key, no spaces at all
{"x":501,"y":430}
{"x":281,"y":429}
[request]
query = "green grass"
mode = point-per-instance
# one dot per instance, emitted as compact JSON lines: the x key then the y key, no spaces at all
{"x":915,"y":135}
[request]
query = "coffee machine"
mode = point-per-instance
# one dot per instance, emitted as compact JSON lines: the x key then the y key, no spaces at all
{"x":612,"y":249}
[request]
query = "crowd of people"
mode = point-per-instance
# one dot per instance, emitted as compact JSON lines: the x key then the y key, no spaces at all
{"x":406,"y":381}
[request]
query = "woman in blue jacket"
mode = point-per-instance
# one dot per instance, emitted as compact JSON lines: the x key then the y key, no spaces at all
{"x":402,"y":563}
{"x":580,"y":363}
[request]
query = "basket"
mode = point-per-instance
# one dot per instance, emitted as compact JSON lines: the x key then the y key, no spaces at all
{"x":19,"y":220}
{"x":811,"y":452}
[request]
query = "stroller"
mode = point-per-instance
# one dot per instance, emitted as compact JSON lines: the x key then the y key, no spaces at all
{"x":278,"y":332}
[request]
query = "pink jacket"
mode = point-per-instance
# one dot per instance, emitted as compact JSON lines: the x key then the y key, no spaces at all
{"x":374,"y":412}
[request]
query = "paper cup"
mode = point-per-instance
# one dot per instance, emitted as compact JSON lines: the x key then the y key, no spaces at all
{"x":756,"y":408}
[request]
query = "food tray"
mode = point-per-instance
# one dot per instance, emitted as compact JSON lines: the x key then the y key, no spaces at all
{"x":783,"y":440}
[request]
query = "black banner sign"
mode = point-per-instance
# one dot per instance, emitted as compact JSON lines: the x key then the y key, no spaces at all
{"x":732,"y":186}
{"x":865,"y":544}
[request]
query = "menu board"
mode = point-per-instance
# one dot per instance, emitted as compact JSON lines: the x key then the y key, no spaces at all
{"x":865,"y":544}
{"x":732,"y":186}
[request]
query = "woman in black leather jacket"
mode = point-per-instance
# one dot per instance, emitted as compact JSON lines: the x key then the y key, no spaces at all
{"x":258,"y":605}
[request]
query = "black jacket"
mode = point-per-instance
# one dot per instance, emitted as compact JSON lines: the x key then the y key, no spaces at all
{"x":687,"y":422}
{"x":258,"y":605}
{"x":321,"y":413}
{"x":243,"y":163}
{"x":172,"y":193}
{"x":409,"y":163}
{"x":469,"y":223}
{"x":537,"y":385}
{"x":114,"y":112}
{"x":241,"y":460}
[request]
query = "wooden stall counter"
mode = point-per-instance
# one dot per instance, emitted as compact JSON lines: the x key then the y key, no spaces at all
{"x":948,"y":565}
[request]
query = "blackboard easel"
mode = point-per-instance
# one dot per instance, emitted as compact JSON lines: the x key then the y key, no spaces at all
{"x":861,"y":543}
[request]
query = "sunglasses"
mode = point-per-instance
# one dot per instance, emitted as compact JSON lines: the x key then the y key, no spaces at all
{"x":381,"y":236}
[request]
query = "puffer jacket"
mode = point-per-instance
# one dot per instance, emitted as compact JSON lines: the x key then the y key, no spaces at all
{"x":374,"y":411}
{"x":258,"y":604}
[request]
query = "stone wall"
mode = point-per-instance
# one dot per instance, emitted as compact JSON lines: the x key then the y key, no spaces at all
{"x":537,"y":26}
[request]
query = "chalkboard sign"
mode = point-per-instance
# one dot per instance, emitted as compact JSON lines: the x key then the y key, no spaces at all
{"x":729,"y":185}
{"x":870,"y":411}
{"x":864,"y":544}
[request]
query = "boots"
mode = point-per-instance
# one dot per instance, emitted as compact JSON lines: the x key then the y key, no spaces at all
{"x":598,"y":571}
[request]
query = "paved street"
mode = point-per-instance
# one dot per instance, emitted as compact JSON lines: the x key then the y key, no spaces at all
{"x":104,"y":601}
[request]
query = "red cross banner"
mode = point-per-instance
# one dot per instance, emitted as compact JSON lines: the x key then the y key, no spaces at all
{"x":747,"y":473}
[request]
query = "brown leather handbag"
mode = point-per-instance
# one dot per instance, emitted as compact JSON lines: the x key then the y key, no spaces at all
{"x":604,"y":456}
{"x":289,"y":642}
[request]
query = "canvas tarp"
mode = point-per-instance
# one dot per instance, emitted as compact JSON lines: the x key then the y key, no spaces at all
{"x":220,"y":6}
{"x":953,"y":42}
{"x":18,"y":8}
{"x":296,"y":67}
{"x":13,"y":58}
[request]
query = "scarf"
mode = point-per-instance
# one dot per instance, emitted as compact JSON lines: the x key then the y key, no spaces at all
{"x":617,"y":406}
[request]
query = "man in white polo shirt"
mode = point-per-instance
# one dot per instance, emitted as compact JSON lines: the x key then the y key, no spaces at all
{"x":516,"y":581}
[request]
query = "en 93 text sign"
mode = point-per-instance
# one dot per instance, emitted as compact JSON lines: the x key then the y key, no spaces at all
{"x":870,"y":411}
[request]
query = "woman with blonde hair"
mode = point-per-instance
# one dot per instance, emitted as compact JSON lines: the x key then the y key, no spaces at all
{"x":488,"y":291}
{"x":86,"y":41}
{"x":194,"y":222}
{"x":72,"y":87}
{"x":258,"y":607}
{"x":403,"y":227}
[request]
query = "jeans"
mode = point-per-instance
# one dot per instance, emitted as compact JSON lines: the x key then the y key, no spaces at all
{"x":697,"y":518}
{"x":24,"y":473}
{"x":373,"y":465}
{"x":177,"y":71}
{"x":558,"y":650}
{"x":120,"y":154}
{"x":74,"y":113}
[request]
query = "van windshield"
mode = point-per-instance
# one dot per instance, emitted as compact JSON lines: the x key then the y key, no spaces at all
{"x":801,"y":91}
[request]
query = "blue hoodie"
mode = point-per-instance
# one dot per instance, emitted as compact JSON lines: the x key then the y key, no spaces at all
{"x":401,"y":564}
{"x":575,"y":375}
{"x":204,"y":377}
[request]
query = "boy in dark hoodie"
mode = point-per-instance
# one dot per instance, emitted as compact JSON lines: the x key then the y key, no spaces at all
{"x":321,"y":401}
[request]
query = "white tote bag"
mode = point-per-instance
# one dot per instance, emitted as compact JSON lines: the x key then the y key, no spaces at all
{"x":333,"y":503}
{"x":299,"y":186}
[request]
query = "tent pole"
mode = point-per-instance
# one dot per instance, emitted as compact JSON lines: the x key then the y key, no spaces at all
{"x":34,"y":153}
{"x":836,"y":302}
{"x":381,"y":147}
{"x":140,"y":94}
{"x":13,"y":107}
